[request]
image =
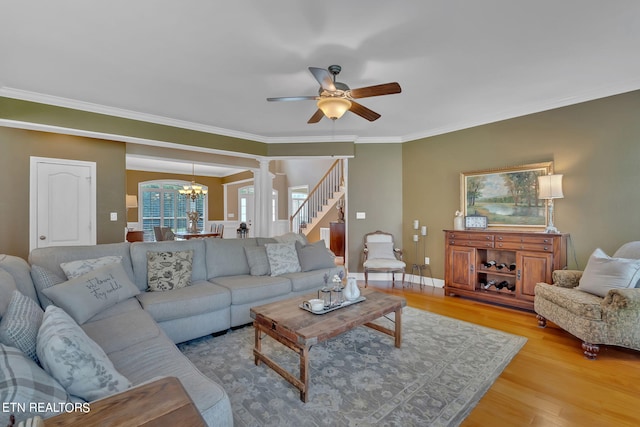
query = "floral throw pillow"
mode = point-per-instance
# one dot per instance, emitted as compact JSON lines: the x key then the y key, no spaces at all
{"x":283,"y":258}
{"x":76,"y":361}
{"x":169,"y":270}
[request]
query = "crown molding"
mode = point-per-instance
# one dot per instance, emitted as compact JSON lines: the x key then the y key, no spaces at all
{"x":522,"y":110}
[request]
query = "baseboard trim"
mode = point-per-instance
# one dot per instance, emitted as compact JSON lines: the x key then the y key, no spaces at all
{"x":413,"y":279}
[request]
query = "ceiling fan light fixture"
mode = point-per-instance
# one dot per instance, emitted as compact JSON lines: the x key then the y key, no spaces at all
{"x":334,"y":108}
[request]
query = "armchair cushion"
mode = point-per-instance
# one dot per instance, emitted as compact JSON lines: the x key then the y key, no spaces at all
{"x":380,"y":250}
{"x":579,"y":304}
{"x":603,"y":273}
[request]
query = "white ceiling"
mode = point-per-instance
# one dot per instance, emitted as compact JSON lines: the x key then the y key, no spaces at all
{"x":210,"y":64}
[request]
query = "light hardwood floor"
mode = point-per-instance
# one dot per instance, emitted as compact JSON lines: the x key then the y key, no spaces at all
{"x":549,"y":382}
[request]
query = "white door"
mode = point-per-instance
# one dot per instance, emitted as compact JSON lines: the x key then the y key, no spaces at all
{"x":246,"y":210}
{"x":63,"y":203}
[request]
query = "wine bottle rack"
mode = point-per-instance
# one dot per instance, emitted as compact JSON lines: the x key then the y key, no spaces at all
{"x":501,"y":267}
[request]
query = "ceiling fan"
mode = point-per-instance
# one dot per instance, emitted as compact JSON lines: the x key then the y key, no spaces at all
{"x":335,"y":98}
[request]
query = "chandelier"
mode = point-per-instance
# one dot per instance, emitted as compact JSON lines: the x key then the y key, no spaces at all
{"x":193,"y":191}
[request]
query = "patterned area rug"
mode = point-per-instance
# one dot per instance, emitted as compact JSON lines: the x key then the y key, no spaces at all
{"x":359,"y":378}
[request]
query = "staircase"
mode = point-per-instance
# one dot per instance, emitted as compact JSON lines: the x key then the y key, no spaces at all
{"x":324,"y":197}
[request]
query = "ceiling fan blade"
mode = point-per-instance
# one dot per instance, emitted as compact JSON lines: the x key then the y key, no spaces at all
{"x":292,"y":98}
{"x":377,"y":90}
{"x":316,"y":116}
{"x":363,"y":111}
{"x":323,"y":77}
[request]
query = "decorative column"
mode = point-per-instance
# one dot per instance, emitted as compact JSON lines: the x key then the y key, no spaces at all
{"x":262,"y":192}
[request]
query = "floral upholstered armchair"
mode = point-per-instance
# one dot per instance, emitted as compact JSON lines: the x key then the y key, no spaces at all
{"x":600,"y":305}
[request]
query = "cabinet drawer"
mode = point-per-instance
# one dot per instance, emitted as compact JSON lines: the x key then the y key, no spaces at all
{"x":538,"y":247}
{"x":472,"y":243}
{"x":542,"y":240}
{"x":469,"y":236}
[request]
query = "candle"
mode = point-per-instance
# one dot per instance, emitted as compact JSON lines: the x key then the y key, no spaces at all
{"x":424,"y":230}
{"x":415,"y":224}
{"x":415,"y":237}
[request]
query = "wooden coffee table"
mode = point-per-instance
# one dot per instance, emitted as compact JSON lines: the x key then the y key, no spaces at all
{"x":299,"y":329}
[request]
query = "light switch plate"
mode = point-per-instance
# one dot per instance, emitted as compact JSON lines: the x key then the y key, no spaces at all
{"x":114,"y":216}
{"x":361,"y":215}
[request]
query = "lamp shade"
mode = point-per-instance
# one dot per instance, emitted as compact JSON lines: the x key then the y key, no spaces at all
{"x":131,"y":201}
{"x":550,"y":187}
{"x":334,"y":108}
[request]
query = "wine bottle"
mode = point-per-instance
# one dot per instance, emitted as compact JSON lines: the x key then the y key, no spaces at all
{"x":501,"y":266}
{"x":512,"y":266}
{"x":489,"y":264}
{"x":489,"y":284}
{"x":502,"y":284}
{"x":511,"y":286}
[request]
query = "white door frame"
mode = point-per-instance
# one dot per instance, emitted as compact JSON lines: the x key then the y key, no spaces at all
{"x":33,"y":195}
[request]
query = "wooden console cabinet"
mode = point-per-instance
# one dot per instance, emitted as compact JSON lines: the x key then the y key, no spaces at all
{"x":336,"y":237}
{"x":501,"y":267}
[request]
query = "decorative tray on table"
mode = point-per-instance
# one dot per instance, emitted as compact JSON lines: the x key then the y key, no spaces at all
{"x":335,"y":307}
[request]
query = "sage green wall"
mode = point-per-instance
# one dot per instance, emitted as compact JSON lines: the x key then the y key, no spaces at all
{"x":596,"y":145}
{"x":16,"y":147}
{"x":375,"y":188}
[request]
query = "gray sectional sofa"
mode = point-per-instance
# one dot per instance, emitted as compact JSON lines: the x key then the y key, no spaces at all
{"x":139,"y":334}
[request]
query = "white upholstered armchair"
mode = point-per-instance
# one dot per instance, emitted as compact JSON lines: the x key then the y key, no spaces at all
{"x":380,"y":254}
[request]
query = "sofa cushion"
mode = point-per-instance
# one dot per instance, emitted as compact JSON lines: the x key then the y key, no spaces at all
{"x":249,"y":289}
{"x":104,"y":331}
{"x":51,"y":257}
{"x":22,"y":381}
{"x":312,"y":280}
{"x":19,"y":326}
{"x":291,"y":237}
{"x":603,"y":273}
{"x":581,"y":304}
{"x":73,"y":269}
{"x":75,"y":360}
{"x":226,"y":257}
{"x":169,"y":270}
{"x":283,"y":258}
{"x":21,"y":273}
{"x":139,"y":258}
{"x":7,"y":286}
{"x":314,"y":256}
{"x":200,"y":297}
{"x":85,"y":296}
{"x":44,"y":278}
{"x":258,"y":261}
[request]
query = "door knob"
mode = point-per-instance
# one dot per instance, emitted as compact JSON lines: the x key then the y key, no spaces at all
{"x":43,"y":238}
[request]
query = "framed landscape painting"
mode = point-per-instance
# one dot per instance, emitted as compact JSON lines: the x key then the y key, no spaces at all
{"x":508,"y":197}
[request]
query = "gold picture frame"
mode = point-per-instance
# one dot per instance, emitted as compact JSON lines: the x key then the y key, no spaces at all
{"x":508,"y":197}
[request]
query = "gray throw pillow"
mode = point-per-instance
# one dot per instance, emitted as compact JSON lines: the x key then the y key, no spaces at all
{"x":258,"y":261}
{"x":76,"y":361}
{"x":93,"y":292}
{"x":77,"y":268}
{"x":604,"y":273}
{"x":283,"y":258}
{"x":169,"y":270}
{"x":315,"y":256}
{"x":19,"y":325}
{"x":23,"y":382}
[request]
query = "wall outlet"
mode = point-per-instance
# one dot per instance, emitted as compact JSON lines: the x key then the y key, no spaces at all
{"x":114,"y":216}
{"x":361,"y":215}
{"x":426,"y":260}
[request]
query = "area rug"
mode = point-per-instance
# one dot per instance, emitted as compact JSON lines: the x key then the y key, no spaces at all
{"x":359,"y":378}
